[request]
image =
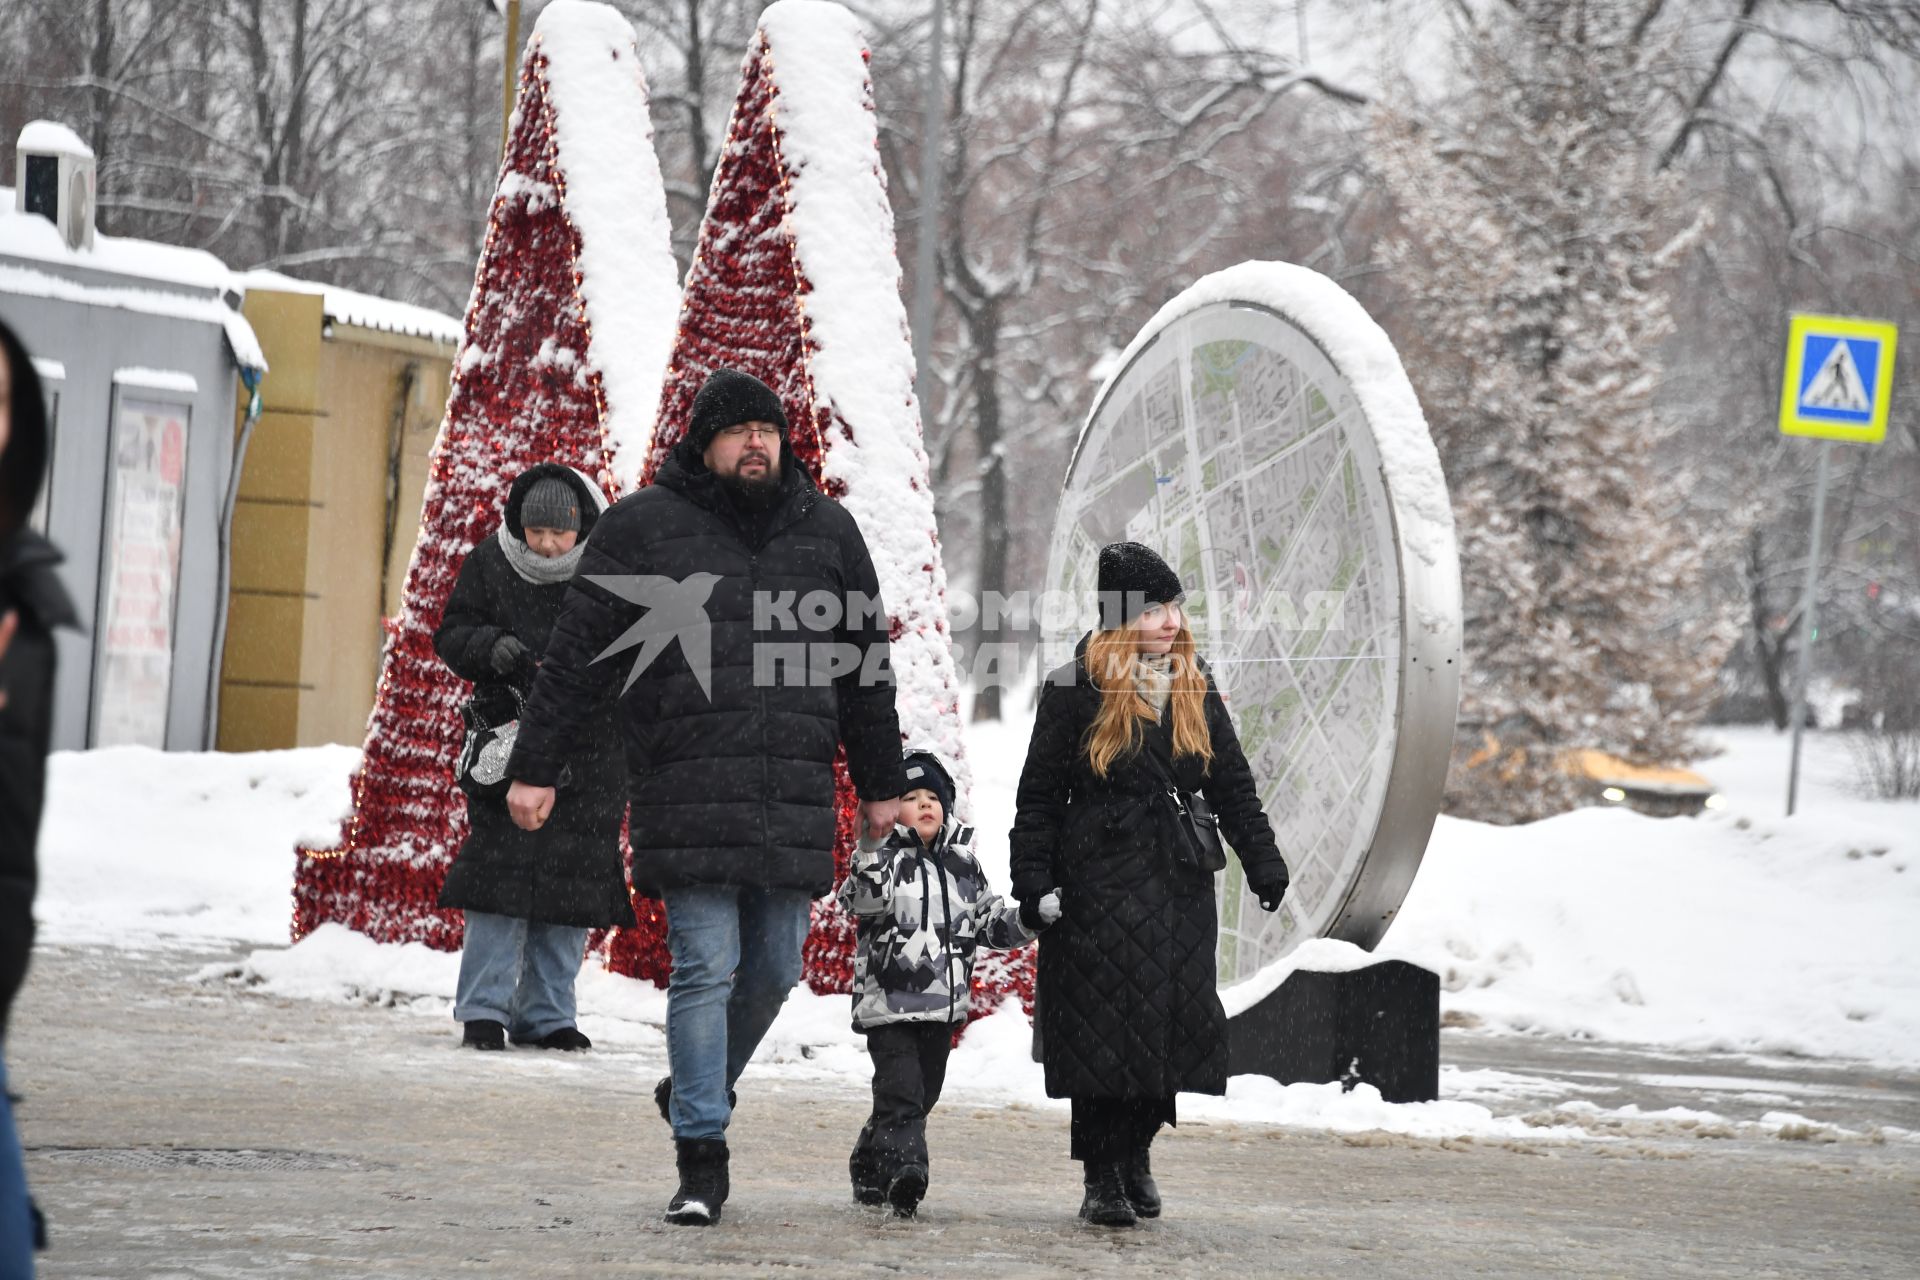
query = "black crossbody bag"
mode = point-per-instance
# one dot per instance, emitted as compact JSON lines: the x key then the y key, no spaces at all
{"x":1197,"y":825}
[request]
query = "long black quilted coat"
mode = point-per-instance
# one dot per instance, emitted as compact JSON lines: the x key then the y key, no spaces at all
{"x":1127,"y":1000}
{"x":735,"y":788}
{"x":568,"y":872}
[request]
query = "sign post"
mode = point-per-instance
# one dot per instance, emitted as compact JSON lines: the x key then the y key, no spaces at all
{"x":1837,"y":386}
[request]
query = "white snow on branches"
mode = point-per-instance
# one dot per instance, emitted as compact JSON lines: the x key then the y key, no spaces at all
{"x":861,"y":356}
{"x":617,"y":201}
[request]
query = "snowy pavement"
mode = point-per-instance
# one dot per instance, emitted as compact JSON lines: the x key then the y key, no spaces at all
{"x":183,"y":1125}
{"x":1715,"y":1018}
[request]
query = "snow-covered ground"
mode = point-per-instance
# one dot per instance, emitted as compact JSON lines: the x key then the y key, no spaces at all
{"x":1740,"y":930}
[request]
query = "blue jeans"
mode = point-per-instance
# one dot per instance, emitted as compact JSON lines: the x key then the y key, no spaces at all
{"x":736,"y":955}
{"x":518,"y":973}
{"x":16,"y":1213}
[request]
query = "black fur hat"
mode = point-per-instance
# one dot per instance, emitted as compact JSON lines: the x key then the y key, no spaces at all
{"x":925,"y":769}
{"x":1132,"y":577}
{"x":728,"y":398}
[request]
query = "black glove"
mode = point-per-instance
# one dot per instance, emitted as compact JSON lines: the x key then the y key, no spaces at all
{"x":508,"y":654}
{"x":1271,"y":890}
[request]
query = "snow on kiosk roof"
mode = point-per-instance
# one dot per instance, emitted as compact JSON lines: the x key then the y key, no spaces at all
{"x":123,"y":273}
{"x":192,"y":283}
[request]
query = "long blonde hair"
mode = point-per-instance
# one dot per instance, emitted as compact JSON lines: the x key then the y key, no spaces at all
{"x":1124,"y":714}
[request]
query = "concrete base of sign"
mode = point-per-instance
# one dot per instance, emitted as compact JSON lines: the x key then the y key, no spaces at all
{"x":1379,"y":1025}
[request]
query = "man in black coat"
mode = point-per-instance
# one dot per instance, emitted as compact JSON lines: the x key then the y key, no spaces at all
{"x":762,"y":644}
{"x":32,"y":605}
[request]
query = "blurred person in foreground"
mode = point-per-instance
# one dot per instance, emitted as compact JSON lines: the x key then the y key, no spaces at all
{"x":32,"y":605}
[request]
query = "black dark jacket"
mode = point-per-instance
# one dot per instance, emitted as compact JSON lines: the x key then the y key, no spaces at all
{"x":1126,"y":988}
{"x":569,"y":871}
{"x":31,"y":589}
{"x":736,"y":786}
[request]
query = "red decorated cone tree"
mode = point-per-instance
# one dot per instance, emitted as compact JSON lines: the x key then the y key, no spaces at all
{"x":796,"y":280}
{"x":567,"y":334}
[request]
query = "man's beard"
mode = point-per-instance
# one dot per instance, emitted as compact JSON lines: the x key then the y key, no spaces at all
{"x":752,"y":492}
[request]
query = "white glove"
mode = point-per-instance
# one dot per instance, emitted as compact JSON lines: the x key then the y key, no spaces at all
{"x":1050,"y":907}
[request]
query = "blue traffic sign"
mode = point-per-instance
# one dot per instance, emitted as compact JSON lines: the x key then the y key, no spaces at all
{"x":1839,"y":378}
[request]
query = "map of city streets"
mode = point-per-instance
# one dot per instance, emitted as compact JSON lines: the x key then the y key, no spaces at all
{"x":1233,"y":447}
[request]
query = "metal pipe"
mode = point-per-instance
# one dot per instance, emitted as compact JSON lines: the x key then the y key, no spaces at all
{"x":510,"y":65}
{"x":1803,"y":661}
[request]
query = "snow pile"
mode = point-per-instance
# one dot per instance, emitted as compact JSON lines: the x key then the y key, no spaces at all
{"x":141,"y":847}
{"x":617,"y":201}
{"x":1361,"y":351}
{"x":861,"y":356}
{"x":1738,"y":930}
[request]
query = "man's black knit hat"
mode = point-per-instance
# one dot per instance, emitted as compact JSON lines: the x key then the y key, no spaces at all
{"x":925,"y":769}
{"x":1131,"y":578}
{"x":728,"y":398}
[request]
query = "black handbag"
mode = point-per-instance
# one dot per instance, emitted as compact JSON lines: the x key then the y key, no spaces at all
{"x":481,"y":769}
{"x":1196,"y":825}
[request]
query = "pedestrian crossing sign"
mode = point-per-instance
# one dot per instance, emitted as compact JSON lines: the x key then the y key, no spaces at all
{"x":1839,"y":378}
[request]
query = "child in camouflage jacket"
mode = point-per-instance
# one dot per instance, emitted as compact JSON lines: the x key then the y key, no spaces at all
{"x":923,"y":908}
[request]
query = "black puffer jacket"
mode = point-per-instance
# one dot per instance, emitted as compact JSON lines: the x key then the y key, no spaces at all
{"x":31,"y":590}
{"x":568,"y":872}
{"x":1126,"y":993}
{"x":735,"y":787}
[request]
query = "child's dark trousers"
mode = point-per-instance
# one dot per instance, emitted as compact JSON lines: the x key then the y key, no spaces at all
{"x":909,"y":1066}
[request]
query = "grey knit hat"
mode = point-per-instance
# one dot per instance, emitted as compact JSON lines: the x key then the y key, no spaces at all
{"x":551,"y":503}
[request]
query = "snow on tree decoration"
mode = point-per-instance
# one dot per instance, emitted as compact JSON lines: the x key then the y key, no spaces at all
{"x":567,"y":332}
{"x":796,"y":280}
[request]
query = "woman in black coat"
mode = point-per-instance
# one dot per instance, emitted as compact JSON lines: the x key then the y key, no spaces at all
{"x":531,"y":896}
{"x":1125,"y":738}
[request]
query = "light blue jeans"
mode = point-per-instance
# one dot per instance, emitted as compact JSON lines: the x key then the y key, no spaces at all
{"x":518,"y":973}
{"x":16,"y":1212}
{"x":736,"y":955}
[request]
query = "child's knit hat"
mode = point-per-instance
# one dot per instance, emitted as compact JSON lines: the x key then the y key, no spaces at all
{"x":925,"y":769}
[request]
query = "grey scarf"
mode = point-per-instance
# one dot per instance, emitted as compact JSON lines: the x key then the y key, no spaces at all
{"x":546,"y":570}
{"x":1153,"y":676}
{"x":536,"y":568}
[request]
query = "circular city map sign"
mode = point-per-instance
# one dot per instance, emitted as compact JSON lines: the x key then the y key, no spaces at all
{"x":1261,"y":435}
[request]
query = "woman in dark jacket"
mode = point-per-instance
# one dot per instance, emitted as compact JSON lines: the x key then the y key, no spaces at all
{"x":1126,"y":736}
{"x":32,"y":605}
{"x":531,"y":896}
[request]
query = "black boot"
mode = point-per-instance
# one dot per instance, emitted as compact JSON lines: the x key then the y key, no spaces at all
{"x":703,"y":1181}
{"x":869,"y":1184}
{"x":663,"y":1095}
{"x":1142,"y":1192}
{"x":483,"y":1033}
{"x":566,"y":1039}
{"x":907,"y":1189}
{"x":1106,"y":1204}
